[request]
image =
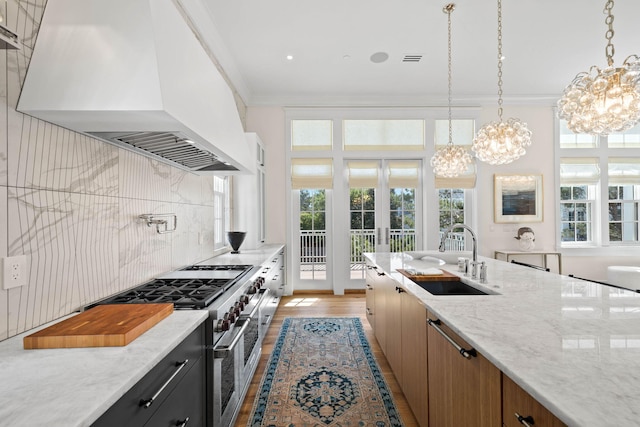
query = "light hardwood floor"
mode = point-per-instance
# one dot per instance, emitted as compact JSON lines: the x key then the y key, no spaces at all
{"x":323,"y":305}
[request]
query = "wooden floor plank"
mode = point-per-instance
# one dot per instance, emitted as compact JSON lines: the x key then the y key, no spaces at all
{"x":323,"y":305}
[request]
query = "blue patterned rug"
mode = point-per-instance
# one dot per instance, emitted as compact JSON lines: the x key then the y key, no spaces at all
{"x":322,"y":373}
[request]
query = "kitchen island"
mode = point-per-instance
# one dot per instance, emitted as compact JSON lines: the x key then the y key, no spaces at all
{"x":572,"y":345}
{"x":73,"y":387}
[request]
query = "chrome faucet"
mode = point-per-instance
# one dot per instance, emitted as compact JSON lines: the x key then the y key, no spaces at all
{"x":474,"y":254}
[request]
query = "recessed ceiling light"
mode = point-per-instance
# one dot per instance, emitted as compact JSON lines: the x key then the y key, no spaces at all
{"x":289,"y":57}
{"x":345,"y":57}
{"x":379,"y":57}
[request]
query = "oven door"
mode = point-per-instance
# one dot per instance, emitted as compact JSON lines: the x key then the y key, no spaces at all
{"x":235,"y":359}
{"x":252,"y":339}
{"x":227,"y":362}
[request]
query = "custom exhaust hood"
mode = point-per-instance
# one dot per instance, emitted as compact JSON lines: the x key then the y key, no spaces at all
{"x":134,"y":74}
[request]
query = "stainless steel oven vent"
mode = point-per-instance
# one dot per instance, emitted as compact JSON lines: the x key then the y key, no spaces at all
{"x":168,"y":147}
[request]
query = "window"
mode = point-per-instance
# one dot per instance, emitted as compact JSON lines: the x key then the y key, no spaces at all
{"x":624,"y":200}
{"x":311,"y":135}
{"x":599,"y":209}
{"x":383,"y":134}
{"x":313,"y":235}
{"x":221,"y":214}
{"x":451,"y":191}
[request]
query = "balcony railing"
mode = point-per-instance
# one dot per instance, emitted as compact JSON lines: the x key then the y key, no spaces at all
{"x":313,"y":244}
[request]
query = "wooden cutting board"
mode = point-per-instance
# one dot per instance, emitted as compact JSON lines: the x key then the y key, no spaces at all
{"x":431,"y":277}
{"x":109,"y":325}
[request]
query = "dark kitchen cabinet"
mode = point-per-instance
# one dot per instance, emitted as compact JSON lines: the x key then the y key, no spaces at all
{"x":171,"y":392}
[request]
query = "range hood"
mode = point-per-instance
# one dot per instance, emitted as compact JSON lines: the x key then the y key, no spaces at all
{"x":134,"y":74}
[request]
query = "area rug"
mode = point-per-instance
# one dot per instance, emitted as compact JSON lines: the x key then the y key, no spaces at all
{"x":322,"y":373}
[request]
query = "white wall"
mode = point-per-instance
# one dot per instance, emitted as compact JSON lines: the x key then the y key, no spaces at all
{"x":269,"y":123}
{"x":71,"y":203}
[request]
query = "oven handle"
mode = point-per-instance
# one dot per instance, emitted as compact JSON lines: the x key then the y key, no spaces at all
{"x":257,"y":307}
{"x":222,"y":350}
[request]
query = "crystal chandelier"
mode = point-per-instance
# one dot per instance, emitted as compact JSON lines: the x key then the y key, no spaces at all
{"x":500,"y":142}
{"x":599,"y":101}
{"x":451,"y":160}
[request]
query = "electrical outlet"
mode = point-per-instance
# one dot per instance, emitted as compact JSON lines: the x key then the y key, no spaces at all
{"x":14,"y":271}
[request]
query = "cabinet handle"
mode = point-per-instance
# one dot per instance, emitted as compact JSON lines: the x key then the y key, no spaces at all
{"x":525,"y":421}
{"x":386,"y":231}
{"x":369,"y":288}
{"x":369,"y":311}
{"x":182,"y":423}
{"x":148,"y":402}
{"x":467,"y":354}
{"x":399,"y":290}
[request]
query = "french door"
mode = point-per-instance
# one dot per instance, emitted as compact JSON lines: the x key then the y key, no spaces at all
{"x":383,"y":212}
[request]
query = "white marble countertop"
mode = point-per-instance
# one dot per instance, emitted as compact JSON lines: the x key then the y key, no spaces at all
{"x":249,"y":256}
{"x":75,"y":386}
{"x":571,"y":344}
{"x":67,"y":387}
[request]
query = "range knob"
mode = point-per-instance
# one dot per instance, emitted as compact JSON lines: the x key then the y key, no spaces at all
{"x":237,"y":308}
{"x":223,"y":324}
{"x":251,"y":290}
{"x":231,"y":315}
{"x":244,"y":299}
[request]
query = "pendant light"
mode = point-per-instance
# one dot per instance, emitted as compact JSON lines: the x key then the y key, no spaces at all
{"x":600,"y":102}
{"x":500,"y":142}
{"x":451,"y":160}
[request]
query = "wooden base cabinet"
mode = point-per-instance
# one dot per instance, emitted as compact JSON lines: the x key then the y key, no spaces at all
{"x":519,"y":408}
{"x":414,"y":357}
{"x":463,"y":391}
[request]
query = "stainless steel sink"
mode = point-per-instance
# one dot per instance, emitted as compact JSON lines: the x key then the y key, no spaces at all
{"x":449,"y":287}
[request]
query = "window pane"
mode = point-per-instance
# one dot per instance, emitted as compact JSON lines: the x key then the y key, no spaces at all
{"x":409,"y":221}
{"x":568,"y":139}
{"x":369,"y":201}
{"x":613,"y":193}
{"x":568,"y":232}
{"x":566,"y":212}
{"x":356,"y":220}
{"x":615,"y":232}
{"x":628,"y":139}
{"x":462,"y":131}
{"x":396,"y":220}
{"x":311,"y":134}
{"x":615,"y":211}
{"x":580,"y":192}
{"x":383,"y":134}
{"x":581,"y":212}
{"x":582,"y":234}
{"x":565,"y":193}
{"x":458,"y":216}
{"x":355,"y":199}
{"x":369,"y":220}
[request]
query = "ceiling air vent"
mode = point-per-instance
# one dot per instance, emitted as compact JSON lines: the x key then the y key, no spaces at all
{"x":169,"y":147}
{"x":412,"y":58}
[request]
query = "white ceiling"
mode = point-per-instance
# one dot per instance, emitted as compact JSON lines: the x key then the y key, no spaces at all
{"x":545,"y":44}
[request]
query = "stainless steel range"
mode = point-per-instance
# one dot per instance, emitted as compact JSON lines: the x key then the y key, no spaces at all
{"x":233,"y":295}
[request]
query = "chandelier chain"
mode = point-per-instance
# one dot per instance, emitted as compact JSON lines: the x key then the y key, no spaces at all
{"x":448,"y":9}
{"x":500,"y":58}
{"x":609,"y":50}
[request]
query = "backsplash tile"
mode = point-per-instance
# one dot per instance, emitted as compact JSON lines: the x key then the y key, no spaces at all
{"x":71,"y":204}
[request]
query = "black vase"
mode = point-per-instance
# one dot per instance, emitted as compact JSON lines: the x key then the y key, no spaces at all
{"x":235,"y":240}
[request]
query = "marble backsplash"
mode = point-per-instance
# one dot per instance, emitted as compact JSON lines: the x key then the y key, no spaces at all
{"x":71,"y":203}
